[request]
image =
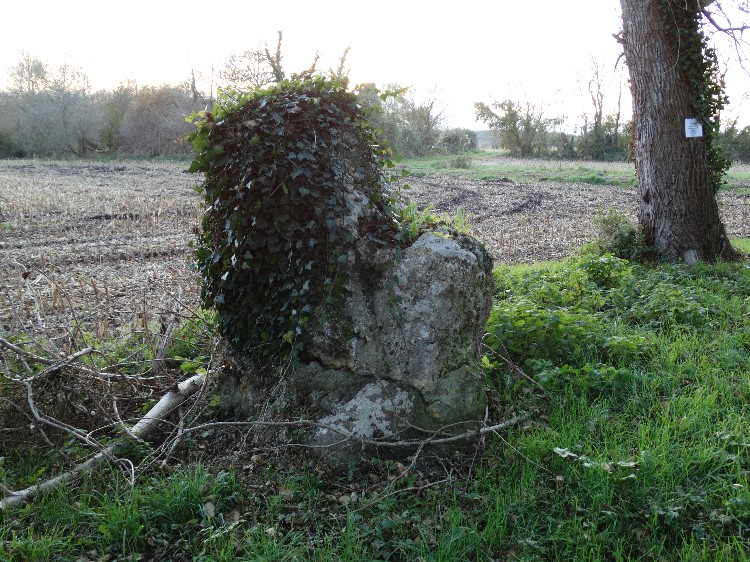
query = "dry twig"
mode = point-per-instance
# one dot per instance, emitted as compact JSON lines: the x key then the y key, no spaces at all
{"x":515,"y":369}
{"x":148,"y":423}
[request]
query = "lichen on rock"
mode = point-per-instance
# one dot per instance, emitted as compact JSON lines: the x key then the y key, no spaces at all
{"x":417,"y":333}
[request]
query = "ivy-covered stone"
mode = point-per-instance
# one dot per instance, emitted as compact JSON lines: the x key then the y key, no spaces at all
{"x":276,"y":227}
{"x":334,"y":312}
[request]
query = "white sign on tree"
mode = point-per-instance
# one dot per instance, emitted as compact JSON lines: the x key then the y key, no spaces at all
{"x":693,"y":128}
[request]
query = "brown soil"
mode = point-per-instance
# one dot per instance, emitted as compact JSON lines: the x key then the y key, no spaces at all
{"x":111,"y":241}
{"x":532,"y":222}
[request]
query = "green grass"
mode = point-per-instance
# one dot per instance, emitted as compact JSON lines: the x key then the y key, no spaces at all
{"x":493,"y":166}
{"x":638,"y":449}
{"x":738,"y":179}
{"x":741,"y":245}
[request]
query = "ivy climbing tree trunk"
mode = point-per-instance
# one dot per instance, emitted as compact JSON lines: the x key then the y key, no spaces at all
{"x":670,"y":79}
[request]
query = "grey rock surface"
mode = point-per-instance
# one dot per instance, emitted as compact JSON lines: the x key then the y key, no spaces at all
{"x":402,"y":354}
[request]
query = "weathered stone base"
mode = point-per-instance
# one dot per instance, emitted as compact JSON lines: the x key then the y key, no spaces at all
{"x":400,"y":358}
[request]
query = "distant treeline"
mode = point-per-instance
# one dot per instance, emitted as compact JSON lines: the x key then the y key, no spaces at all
{"x":55,"y":114}
{"x":48,"y":113}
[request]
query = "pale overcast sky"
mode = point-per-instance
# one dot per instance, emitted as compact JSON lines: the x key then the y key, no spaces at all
{"x":462,"y":52}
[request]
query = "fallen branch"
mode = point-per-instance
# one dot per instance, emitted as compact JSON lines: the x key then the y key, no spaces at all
{"x":189,"y":387}
{"x":51,"y":422}
{"x":148,"y":423}
{"x":5,"y":491}
{"x":23,"y":353}
{"x":52,"y":364}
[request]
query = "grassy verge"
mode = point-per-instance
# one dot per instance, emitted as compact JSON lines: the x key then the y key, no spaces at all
{"x":493,"y":166}
{"x":637,"y":449}
{"x":738,"y":179}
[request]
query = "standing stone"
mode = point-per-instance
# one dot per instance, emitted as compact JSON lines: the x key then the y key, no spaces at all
{"x":400,"y":357}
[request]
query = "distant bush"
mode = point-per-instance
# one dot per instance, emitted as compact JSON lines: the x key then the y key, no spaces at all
{"x":154,"y":123}
{"x":521,"y":129}
{"x":736,"y":143}
{"x":462,"y":161}
{"x":8,"y":147}
{"x":456,"y":141}
{"x":410,"y":127}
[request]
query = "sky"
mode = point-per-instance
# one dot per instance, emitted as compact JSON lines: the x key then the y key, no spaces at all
{"x":457,"y":53}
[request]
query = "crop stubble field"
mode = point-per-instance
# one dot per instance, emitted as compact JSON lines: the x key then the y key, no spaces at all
{"x":108,"y":243}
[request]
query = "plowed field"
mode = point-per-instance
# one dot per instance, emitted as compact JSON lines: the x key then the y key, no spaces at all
{"x":106,"y":243}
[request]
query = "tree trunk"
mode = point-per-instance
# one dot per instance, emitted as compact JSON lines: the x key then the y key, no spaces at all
{"x":677,"y":206}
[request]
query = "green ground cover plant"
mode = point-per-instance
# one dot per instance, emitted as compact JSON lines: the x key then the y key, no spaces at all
{"x":635,"y":447}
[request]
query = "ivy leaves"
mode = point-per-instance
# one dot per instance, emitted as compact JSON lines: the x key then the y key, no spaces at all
{"x":277,"y":166}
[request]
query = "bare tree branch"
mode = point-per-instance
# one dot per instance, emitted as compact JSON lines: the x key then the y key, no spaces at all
{"x":23,"y":353}
{"x":275,"y":60}
{"x":148,"y":423}
{"x":54,"y":366}
{"x":730,"y":29}
{"x":404,"y":443}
